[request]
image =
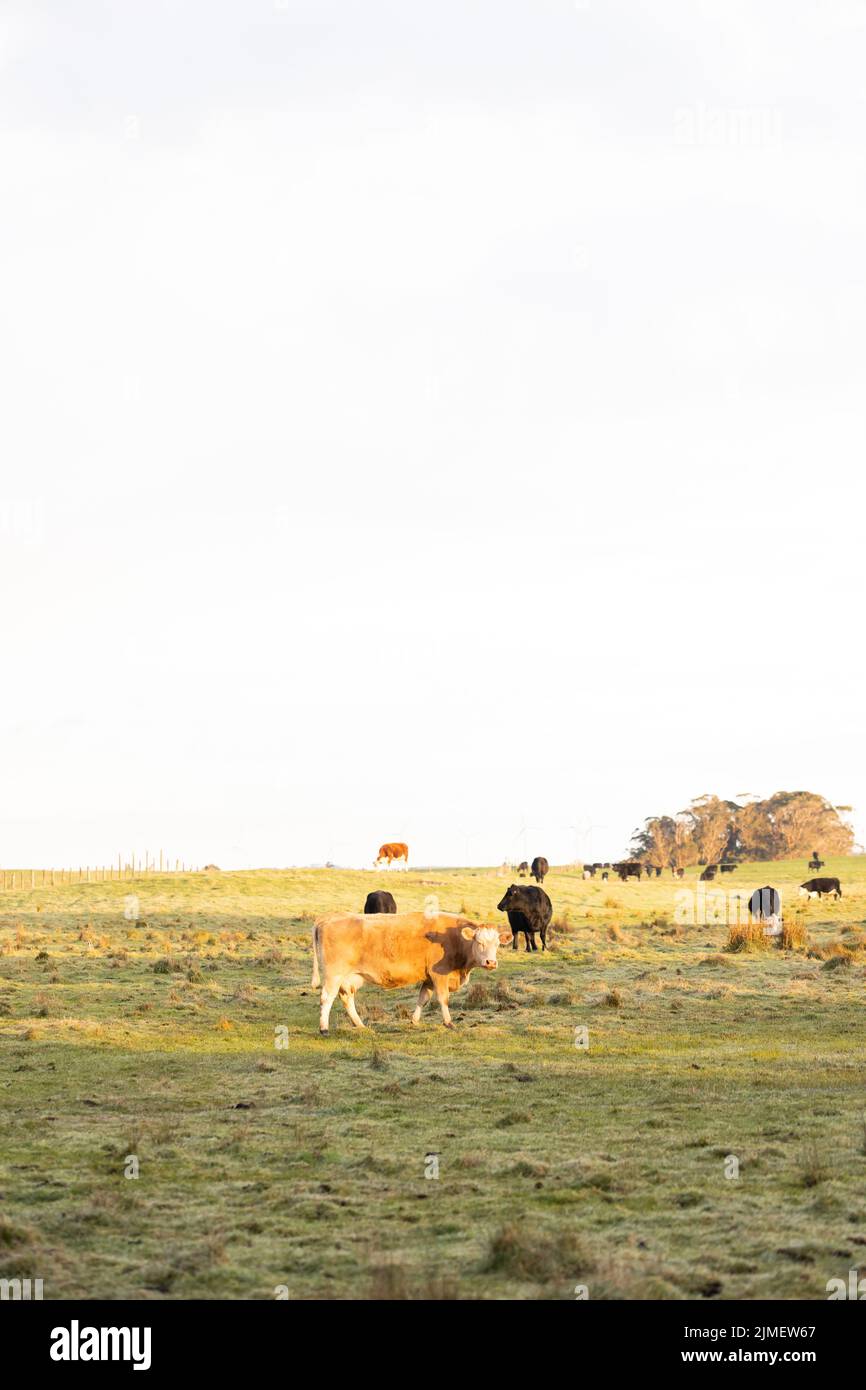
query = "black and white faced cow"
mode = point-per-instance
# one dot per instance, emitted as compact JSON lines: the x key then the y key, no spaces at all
{"x":765,"y":905}
{"x":821,"y":886}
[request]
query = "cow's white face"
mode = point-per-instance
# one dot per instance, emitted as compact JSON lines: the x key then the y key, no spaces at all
{"x":484,"y":944}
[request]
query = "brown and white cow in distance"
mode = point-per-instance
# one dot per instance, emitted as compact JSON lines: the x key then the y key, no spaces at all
{"x":391,"y":853}
{"x":435,"y":951}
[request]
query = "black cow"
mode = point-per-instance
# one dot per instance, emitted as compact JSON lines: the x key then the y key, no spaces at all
{"x":709,"y":873}
{"x":605,"y":875}
{"x":540,"y":867}
{"x":529,"y":911}
{"x":764,"y":902}
{"x":523,"y":869}
{"x":627,"y":869}
{"x":727,"y":868}
{"x":380,"y":901}
{"x":822,"y":886}
{"x":816,"y":863}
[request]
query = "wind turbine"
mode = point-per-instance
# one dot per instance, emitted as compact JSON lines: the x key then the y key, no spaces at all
{"x":589,"y":826}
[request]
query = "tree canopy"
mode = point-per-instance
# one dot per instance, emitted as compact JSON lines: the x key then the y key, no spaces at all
{"x":782,"y":826}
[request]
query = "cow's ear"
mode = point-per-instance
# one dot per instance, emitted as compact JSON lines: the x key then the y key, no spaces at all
{"x":505,"y":936}
{"x":467,"y":933}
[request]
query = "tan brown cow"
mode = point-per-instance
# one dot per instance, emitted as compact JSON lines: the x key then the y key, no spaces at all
{"x":435,"y":951}
{"x":389,"y":853}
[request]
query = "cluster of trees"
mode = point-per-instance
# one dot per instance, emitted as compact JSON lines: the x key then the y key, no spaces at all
{"x":784,"y":826}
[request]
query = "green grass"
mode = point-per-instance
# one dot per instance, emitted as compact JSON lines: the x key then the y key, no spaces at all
{"x":304,"y":1166}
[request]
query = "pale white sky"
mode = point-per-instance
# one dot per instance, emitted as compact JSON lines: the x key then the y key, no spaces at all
{"x":426,"y":420}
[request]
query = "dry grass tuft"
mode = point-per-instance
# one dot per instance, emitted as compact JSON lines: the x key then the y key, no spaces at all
{"x":813,"y":1169}
{"x":391,"y":1282}
{"x":794,"y":936}
{"x":477,"y":996}
{"x":749,"y":936}
{"x":531,"y":1254}
{"x":562,"y":1000}
{"x":837,"y":960}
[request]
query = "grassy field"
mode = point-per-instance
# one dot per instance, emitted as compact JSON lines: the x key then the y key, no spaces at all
{"x":303,"y":1165}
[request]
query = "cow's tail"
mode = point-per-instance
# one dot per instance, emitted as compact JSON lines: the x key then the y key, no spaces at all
{"x":317,"y":963}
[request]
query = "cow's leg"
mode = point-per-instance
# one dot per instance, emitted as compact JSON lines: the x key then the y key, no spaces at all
{"x":330,"y":989}
{"x":441,"y":988}
{"x":424,"y":996}
{"x":514,"y":940}
{"x":544,"y":938}
{"x":347,"y":995}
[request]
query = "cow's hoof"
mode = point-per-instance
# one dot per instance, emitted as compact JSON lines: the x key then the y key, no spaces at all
{"x":324,"y":1032}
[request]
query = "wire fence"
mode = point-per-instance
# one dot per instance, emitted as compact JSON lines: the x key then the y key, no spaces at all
{"x":102,"y":873}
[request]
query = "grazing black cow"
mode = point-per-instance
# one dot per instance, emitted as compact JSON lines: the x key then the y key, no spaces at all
{"x":380,"y":901}
{"x":627,"y":869}
{"x":540,"y":867}
{"x":604,"y":875}
{"x":764,"y":902}
{"x":523,"y":869}
{"x":727,"y":868}
{"x":589,"y":870}
{"x":709,"y":873}
{"x":821,"y":886}
{"x":529,"y":911}
{"x":816,"y":863}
